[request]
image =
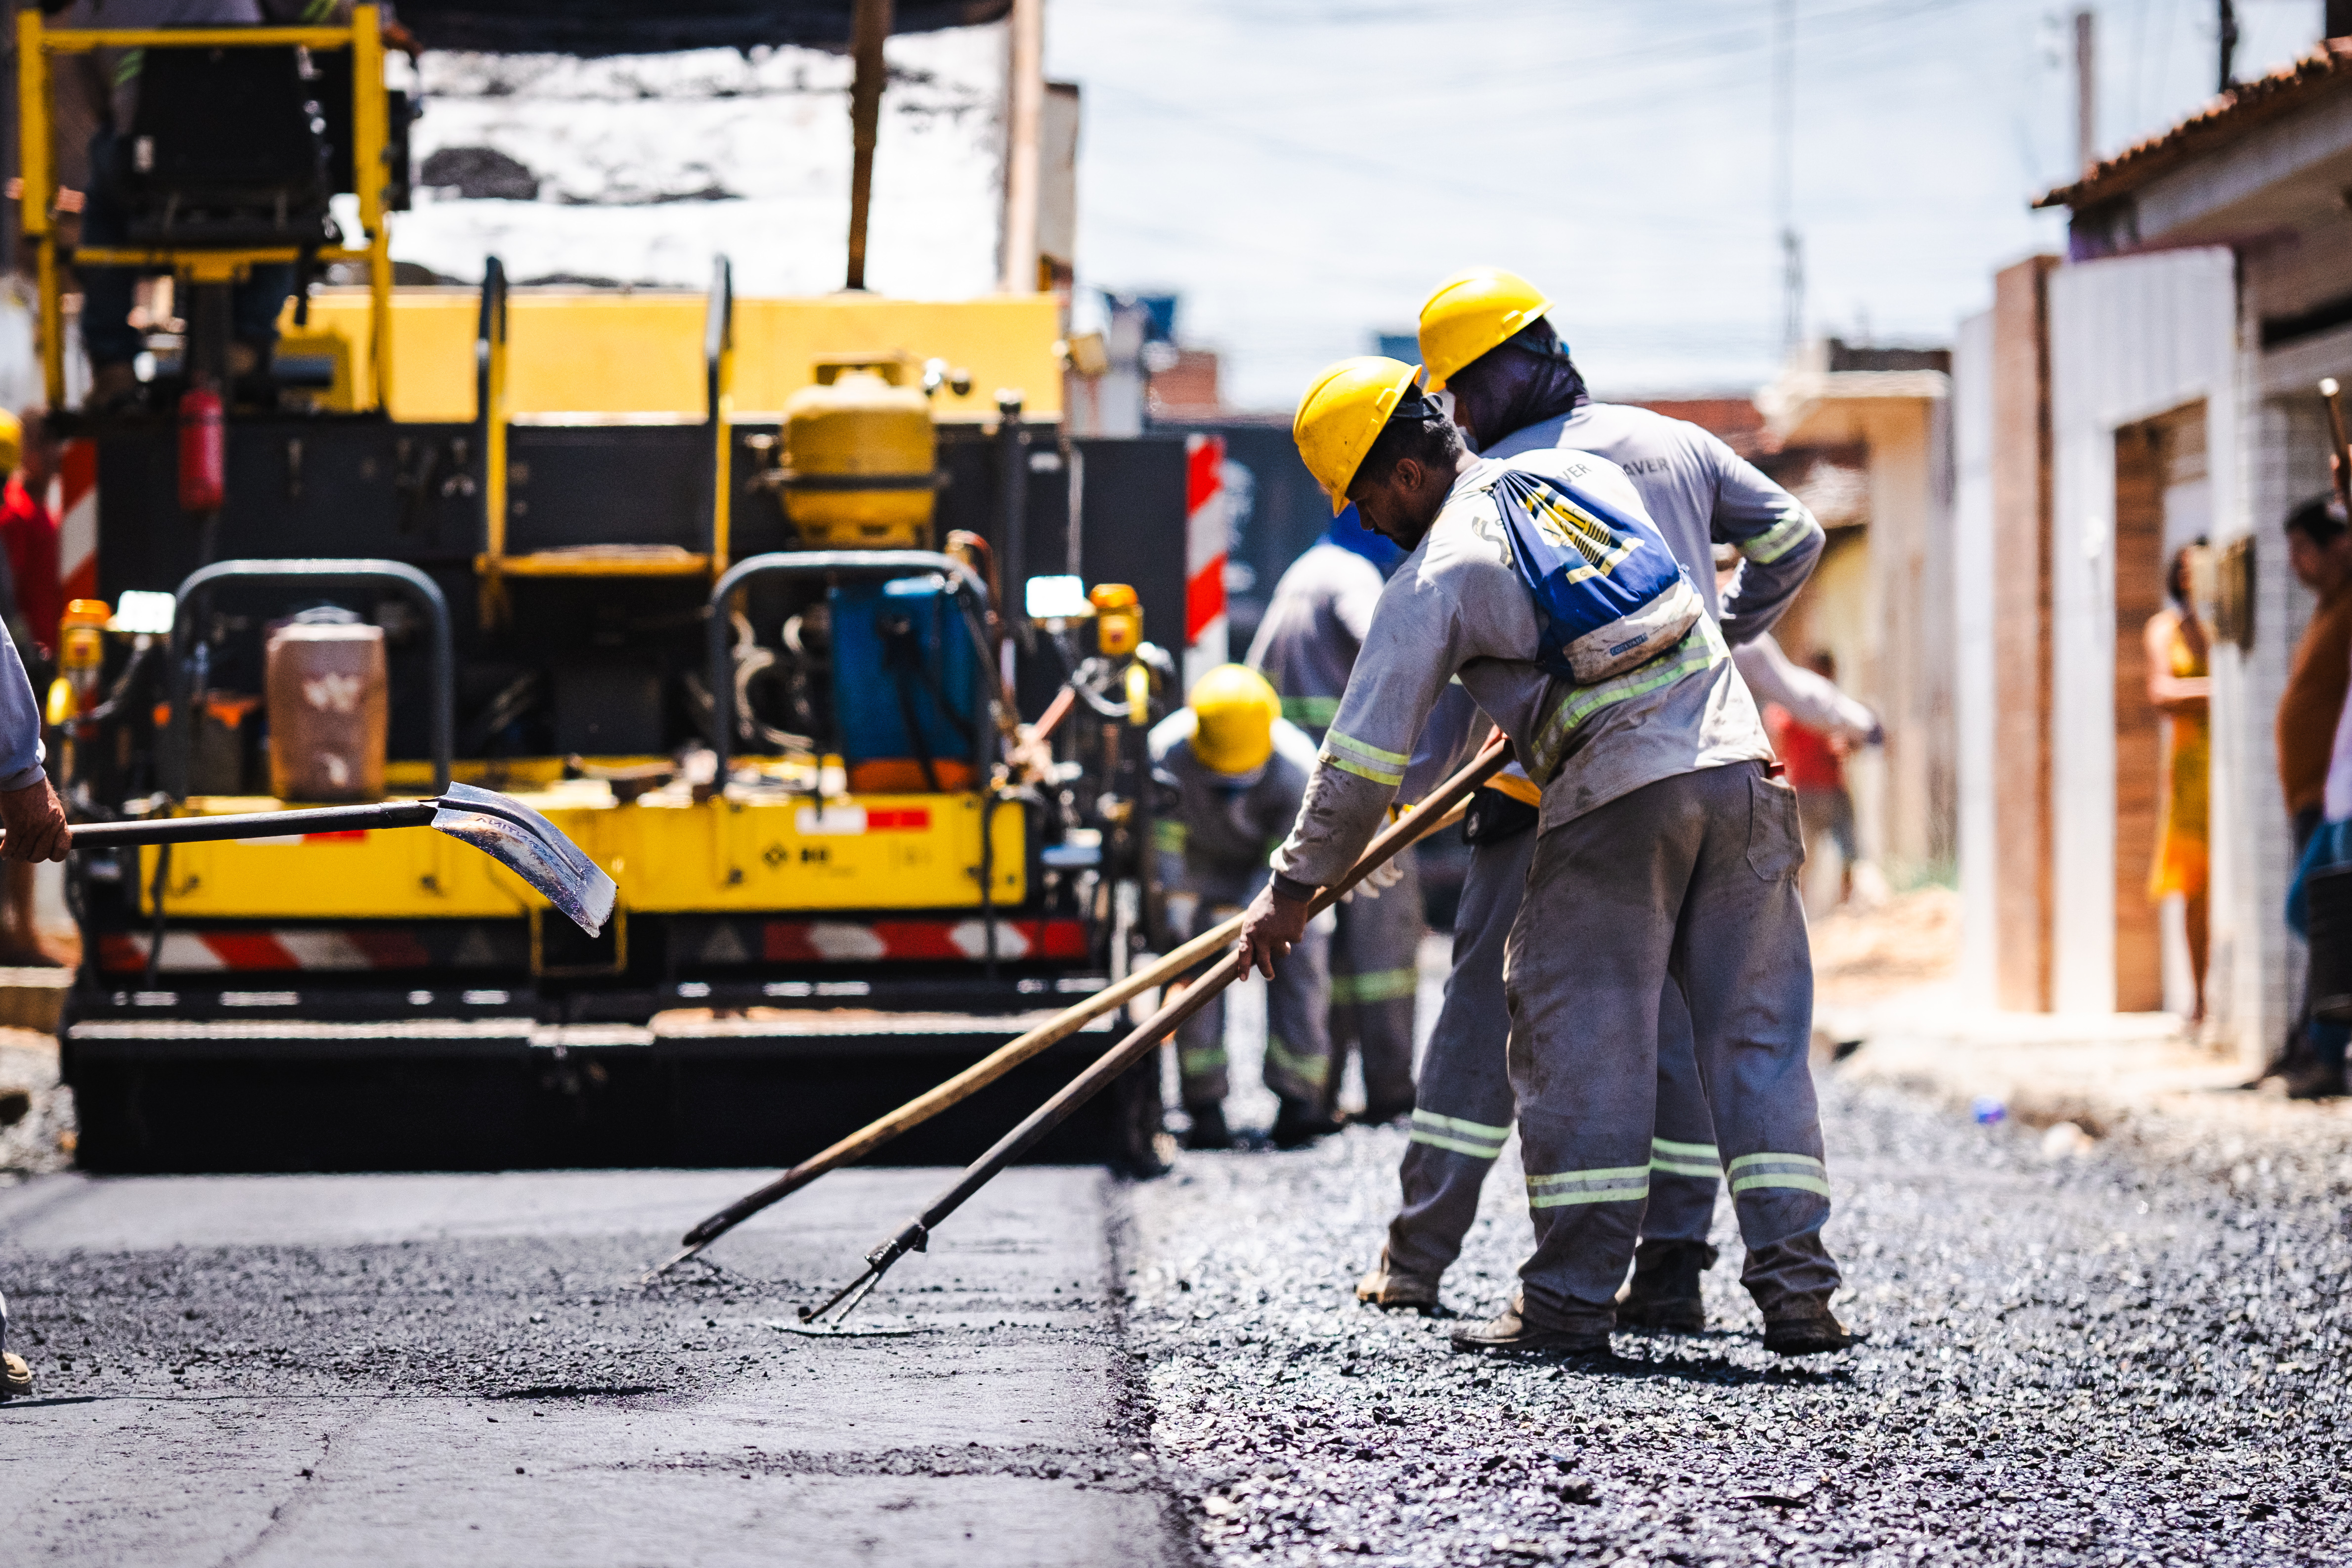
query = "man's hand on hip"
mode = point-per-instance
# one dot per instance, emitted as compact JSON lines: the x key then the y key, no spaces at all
{"x":36,"y":824}
{"x":1270,"y":927}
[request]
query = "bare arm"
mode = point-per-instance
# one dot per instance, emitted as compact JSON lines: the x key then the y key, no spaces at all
{"x":2167,"y":692}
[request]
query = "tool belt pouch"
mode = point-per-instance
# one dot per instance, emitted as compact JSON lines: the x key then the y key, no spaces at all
{"x":1609,"y":593}
{"x":1493,"y":816}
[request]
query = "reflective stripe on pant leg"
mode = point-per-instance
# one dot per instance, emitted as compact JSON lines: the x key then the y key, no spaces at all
{"x":1617,"y":1185}
{"x":1201,"y":1056}
{"x":1465,"y":1071}
{"x":1476,"y":1138}
{"x":1801,"y":1172}
{"x":1685,"y":1159}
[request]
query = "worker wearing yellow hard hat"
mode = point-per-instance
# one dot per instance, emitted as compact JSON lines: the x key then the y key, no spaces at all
{"x":1484,"y":335}
{"x":1232,"y":773}
{"x":1658,"y":833}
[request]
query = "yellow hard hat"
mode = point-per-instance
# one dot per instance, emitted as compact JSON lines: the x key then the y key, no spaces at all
{"x":1342,"y":415}
{"x":1233,"y":711}
{"x":12,"y":441}
{"x":1472,"y":312}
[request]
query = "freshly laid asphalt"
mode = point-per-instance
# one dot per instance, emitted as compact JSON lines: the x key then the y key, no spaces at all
{"x":2102,"y":1359}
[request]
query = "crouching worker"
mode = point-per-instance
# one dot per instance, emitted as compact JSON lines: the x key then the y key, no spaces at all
{"x":1239,"y":771}
{"x":1663,"y":850}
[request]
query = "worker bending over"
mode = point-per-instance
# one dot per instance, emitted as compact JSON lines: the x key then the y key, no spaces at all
{"x":1239,"y":771}
{"x":1306,"y":646}
{"x":1663,"y":849}
{"x":1484,"y":336}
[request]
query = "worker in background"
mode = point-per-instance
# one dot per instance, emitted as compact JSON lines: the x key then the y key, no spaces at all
{"x":2319,"y":550}
{"x":1812,"y":756}
{"x":1239,"y":771}
{"x":1662,"y":847}
{"x":1306,"y":646}
{"x":34,"y":602}
{"x":35,"y":824}
{"x":101,"y":88}
{"x":1485,"y":337}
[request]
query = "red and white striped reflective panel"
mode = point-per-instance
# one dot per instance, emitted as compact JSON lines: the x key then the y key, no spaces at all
{"x":74,"y":503}
{"x":1207,"y":538}
{"x":318,"y":948}
{"x":853,"y":941}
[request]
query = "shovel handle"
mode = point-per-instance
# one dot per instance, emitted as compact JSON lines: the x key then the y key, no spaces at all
{"x":254,"y":825}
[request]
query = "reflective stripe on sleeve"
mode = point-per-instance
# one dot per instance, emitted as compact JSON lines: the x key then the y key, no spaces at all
{"x":1380,"y":985}
{"x":1621,"y":1185}
{"x":1800,"y":1170}
{"x":1364,"y":761}
{"x":1684,"y":1159}
{"x":1795,"y":525}
{"x":1476,"y":1138}
{"x":1702,"y":647}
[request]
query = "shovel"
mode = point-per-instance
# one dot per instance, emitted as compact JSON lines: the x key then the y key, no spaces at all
{"x":500,"y":825}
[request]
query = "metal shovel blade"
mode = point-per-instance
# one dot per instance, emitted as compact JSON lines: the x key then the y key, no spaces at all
{"x":531,"y":847}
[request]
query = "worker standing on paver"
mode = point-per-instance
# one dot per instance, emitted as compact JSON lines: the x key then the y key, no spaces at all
{"x":1484,"y":336}
{"x":1306,"y":646}
{"x":1239,"y":772}
{"x":36,"y":827}
{"x":1663,"y":849}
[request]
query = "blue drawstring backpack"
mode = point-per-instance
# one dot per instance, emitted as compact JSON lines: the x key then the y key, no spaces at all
{"x":1609,"y":593}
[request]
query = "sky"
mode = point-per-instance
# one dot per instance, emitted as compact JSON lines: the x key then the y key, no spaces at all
{"x":1303,"y":172}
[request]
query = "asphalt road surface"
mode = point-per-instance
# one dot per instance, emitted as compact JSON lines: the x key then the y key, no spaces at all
{"x":2106,"y":1360}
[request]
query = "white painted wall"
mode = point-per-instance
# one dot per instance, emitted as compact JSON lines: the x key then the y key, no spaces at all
{"x":2129,"y":338}
{"x":1973,"y":697}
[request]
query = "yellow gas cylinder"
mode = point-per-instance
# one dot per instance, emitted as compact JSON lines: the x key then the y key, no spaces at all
{"x":858,"y":424}
{"x":81,"y":651}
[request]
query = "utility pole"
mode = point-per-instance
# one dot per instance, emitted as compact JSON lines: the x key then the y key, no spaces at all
{"x":2226,"y":34}
{"x":2086,"y":90}
{"x":1784,"y":131}
{"x":1025,"y":102}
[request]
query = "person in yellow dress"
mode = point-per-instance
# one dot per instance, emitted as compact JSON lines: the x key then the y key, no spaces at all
{"x":2179,"y":688}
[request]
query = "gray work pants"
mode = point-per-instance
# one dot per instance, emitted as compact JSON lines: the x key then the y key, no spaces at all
{"x":1692,"y":879}
{"x":1466,"y":1105}
{"x":1298,"y":999}
{"x":1375,"y":978}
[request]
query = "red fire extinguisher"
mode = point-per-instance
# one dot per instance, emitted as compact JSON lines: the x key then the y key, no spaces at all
{"x":203,"y":451}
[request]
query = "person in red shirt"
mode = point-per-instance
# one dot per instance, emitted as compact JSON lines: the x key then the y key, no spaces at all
{"x":1813,"y":764}
{"x":28,"y":532}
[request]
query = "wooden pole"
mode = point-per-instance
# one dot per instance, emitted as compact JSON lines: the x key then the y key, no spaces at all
{"x":870,"y":26}
{"x":1024,"y":113}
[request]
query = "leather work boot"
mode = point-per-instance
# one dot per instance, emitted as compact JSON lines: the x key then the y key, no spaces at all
{"x":1664,"y":1296}
{"x":1510,"y":1334}
{"x":16,"y":1377}
{"x":1296,"y":1124}
{"x":1810,"y":1333}
{"x":1385,"y":1287}
{"x":1208,"y":1130}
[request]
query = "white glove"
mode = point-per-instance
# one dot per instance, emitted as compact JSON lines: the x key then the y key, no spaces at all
{"x":1387,"y":874}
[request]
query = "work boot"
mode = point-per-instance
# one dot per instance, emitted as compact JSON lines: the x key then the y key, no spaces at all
{"x":16,"y":1377}
{"x":1208,"y":1130}
{"x":1382,"y":1115}
{"x":1510,"y":1334}
{"x":1664,"y":1296}
{"x":1297,"y":1123}
{"x":1816,"y":1333}
{"x":1386,"y":1287}
{"x":2314,"y":1080}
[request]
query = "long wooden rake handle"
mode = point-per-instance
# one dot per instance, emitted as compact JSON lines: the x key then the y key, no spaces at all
{"x":1439,"y":807}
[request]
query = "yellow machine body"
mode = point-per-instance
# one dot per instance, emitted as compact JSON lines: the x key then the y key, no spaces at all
{"x":859,"y":423}
{"x":764,"y":855}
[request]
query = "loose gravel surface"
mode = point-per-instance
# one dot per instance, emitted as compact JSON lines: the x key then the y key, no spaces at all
{"x":2104,"y":1358}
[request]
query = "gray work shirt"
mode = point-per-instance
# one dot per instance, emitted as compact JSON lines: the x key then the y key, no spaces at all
{"x":1226,"y":822}
{"x":20,"y":721}
{"x":1456,"y":606}
{"x":1305,"y":647}
{"x":1700,"y":493}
